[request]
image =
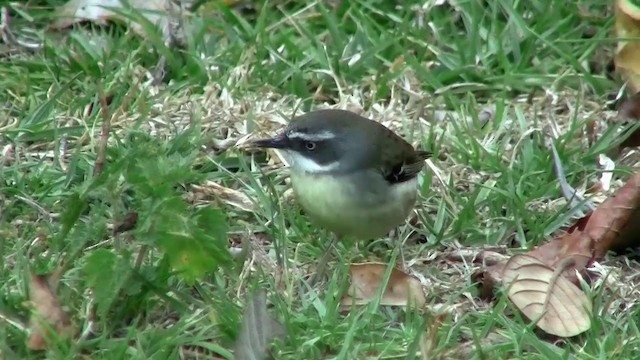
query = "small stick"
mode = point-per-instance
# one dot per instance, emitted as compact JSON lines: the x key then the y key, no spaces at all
{"x":104,"y":132}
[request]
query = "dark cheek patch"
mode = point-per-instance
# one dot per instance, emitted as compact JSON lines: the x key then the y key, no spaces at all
{"x":323,"y":154}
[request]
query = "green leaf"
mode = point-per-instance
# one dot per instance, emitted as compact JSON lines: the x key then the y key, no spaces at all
{"x":74,"y":206}
{"x":106,"y":273}
{"x":172,"y":216}
{"x":213,"y":222}
{"x":189,"y":256}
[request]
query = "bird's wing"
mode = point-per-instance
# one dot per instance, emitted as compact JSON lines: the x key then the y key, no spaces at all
{"x":404,"y":165}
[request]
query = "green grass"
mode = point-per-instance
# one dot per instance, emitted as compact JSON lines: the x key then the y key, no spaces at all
{"x":169,"y":289}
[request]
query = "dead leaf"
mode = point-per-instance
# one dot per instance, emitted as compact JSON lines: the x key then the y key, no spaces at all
{"x":366,"y":278}
{"x":544,"y":295}
{"x":100,"y":12}
{"x":127,"y":223}
{"x":612,"y":226}
{"x":627,"y":62}
{"x":229,"y":196}
{"x":627,"y":58}
{"x":257,"y":330}
{"x":629,"y":8}
{"x":47,"y":316}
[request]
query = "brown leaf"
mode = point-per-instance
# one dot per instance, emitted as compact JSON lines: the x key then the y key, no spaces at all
{"x":126,"y":224}
{"x":366,"y":279}
{"x":543,"y":295}
{"x":577,"y":245}
{"x":47,"y":316}
{"x":229,"y":196}
{"x":98,"y":11}
{"x":614,"y":225}
{"x":627,"y":58}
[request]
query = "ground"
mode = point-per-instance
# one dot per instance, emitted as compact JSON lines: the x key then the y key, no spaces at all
{"x":486,"y":86}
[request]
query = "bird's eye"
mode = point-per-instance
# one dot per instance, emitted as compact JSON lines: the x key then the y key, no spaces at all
{"x":310,"y":145}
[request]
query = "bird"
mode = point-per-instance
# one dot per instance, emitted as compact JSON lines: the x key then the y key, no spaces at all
{"x":351,"y":175}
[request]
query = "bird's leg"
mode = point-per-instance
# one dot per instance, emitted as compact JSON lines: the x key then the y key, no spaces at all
{"x":322,"y":264}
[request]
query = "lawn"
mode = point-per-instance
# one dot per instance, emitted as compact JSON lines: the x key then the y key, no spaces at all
{"x":122,"y":184}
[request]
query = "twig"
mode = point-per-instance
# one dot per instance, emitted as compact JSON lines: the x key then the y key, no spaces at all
{"x":104,"y":132}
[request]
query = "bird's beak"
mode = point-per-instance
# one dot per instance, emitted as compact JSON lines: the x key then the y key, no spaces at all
{"x":277,"y":142}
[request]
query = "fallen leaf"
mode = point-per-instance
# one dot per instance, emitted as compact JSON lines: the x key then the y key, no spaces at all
{"x":612,"y":226}
{"x":629,"y":8}
{"x":366,"y":278}
{"x":127,"y":223}
{"x":627,"y":57}
{"x":47,"y":318}
{"x":102,"y":11}
{"x":257,"y":330}
{"x":229,"y":196}
{"x":544,"y":295}
{"x":627,"y":62}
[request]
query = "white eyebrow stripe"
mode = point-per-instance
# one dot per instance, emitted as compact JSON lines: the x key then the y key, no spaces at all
{"x":325,"y":135}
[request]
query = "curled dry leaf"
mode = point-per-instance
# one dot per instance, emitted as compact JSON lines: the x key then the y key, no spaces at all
{"x":612,"y":226}
{"x":627,"y":58}
{"x":47,"y":316}
{"x":229,"y":196}
{"x":544,"y":295}
{"x":366,"y":279}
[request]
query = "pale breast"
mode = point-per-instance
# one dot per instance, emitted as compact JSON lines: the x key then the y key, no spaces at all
{"x":354,"y":205}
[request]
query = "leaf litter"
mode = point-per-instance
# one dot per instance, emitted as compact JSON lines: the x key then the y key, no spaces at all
{"x":367,"y":278}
